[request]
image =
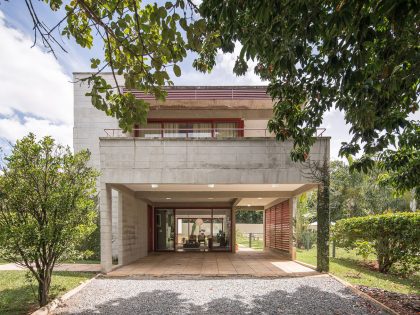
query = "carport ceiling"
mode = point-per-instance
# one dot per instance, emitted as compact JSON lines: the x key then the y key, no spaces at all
{"x":239,"y":195}
{"x":214,"y":187}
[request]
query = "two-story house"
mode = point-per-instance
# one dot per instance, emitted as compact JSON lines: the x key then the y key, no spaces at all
{"x":175,"y":184}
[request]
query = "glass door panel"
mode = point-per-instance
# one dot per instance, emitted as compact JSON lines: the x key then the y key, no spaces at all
{"x":222,"y":229}
{"x":165,"y":229}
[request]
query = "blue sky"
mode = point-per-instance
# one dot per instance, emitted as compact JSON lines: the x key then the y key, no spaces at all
{"x":37,"y":94}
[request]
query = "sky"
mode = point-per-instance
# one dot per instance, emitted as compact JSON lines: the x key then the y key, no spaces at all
{"x":36,"y":91}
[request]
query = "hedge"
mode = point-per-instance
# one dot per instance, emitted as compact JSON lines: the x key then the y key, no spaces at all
{"x":395,"y":237}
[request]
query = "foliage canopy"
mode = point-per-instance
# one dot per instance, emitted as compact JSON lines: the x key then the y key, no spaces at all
{"x":359,"y":57}
{"x":46,"y":208}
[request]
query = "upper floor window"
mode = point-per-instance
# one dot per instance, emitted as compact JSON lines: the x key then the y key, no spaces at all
{"x":200,"y":128}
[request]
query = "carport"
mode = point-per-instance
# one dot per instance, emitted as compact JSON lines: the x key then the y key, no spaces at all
{"x":248,"y":263}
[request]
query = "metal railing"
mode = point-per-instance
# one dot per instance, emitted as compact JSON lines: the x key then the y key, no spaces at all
{"x":196,"y":133}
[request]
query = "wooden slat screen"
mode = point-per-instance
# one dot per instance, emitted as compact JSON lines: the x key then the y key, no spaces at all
{"x":277,"y":226}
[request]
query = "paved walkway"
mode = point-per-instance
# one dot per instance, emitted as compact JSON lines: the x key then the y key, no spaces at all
{"x":61,"y":267}
{"x":303,"y":295}
{"x":244,"y":263}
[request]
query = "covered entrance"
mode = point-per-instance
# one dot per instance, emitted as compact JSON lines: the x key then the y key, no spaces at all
{"x":249,"y":263}
{"x":193,"y":230}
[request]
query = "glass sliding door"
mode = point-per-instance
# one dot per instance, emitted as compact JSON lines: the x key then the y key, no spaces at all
{"x":193,"y":229}
{"x":222,"y":227}
{"x":165,"y":229}
{"x":203,"y":229}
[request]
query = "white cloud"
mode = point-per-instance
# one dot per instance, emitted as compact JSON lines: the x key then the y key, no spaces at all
{"x":222,"y":73}
{"x":12,"y":128}
{"x":35,"y":95}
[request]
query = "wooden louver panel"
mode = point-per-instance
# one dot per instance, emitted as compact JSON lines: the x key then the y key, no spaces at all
{"x":277,"y":226}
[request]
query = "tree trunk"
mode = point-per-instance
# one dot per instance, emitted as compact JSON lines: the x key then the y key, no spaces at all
{"x":44,"y":288}
{"x":323,"y":228}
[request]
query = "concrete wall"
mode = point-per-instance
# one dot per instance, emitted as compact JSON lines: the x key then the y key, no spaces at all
{"x":133,"y":233}
{"x":238,"y":161}
{"x":249,"y":228}
{"x":89,"y":123}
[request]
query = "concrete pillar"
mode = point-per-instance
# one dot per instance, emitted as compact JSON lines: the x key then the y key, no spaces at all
{"x":120,"y":228}
{"x":106,"y":227}
{"x":233,"y":236}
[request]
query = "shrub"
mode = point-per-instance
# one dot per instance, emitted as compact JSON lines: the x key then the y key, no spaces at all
{"x":395,"y":237}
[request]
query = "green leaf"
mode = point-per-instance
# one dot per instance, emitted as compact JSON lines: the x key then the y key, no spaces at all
{"x":177,"y":70}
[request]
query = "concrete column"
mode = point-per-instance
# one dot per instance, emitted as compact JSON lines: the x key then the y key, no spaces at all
{"x":106,"y":227}
{"x":233,"y":236}
{"x":120,"y":228}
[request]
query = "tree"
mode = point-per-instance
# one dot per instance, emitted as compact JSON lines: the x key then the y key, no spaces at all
{"x":358,"y":194}
{"x":142,"y":42}
{"x":249,"y":216}
{"x":305,"y":214}
{"x":46,"y":207}
{"x":319,"y":172}
{"x":359,"y":57}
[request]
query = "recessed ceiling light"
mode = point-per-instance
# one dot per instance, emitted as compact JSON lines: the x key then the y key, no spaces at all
{"x":210,"y":185}
{"x":210,"y":198}
{"x":248,"y":205}
{"x":155,"y":185}
{"x":168,"y":198}
{"x":259,"y":198}
{"x":275,"y":185}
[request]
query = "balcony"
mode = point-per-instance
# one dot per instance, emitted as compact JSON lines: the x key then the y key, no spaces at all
{"x":203,"y":157}
{"x":196,"y":133}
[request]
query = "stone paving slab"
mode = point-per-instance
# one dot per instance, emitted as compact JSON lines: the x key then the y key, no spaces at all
{"x":256,"y":264}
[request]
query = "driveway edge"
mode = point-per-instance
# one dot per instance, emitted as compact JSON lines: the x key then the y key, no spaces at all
{"x":45,"y":310}
{"x":364,"y":295}
{"x":355,"y":290}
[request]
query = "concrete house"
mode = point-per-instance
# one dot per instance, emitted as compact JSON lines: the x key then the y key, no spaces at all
{"x":175,"y":184}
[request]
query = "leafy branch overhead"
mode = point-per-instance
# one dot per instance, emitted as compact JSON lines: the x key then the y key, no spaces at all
{"x":359,"y":57}
{"x":142,"y":42}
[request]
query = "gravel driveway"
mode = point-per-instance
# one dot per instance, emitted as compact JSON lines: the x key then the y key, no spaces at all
{"x":306,"y":295}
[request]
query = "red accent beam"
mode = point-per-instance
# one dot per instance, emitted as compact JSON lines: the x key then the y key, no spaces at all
{"x":208,"y":94}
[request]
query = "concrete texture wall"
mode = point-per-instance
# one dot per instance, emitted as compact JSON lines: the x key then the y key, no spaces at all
{"x":133,"y":234}
{"x":89,"y":123}
{"x":227,"y":161}
{"x":249,"y":228}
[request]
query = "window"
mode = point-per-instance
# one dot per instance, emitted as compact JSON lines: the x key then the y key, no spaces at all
{"x":200,"y":128}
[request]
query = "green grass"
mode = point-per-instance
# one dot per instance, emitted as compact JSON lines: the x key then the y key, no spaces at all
{"x":83,"y":261}
{"x":350,"y":267}
{"x":16,"y":294}
{"x":2,"y":262}
{"x":255,"y":244}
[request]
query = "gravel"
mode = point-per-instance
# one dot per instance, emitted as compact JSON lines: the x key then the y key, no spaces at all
{"x":305,"y":295}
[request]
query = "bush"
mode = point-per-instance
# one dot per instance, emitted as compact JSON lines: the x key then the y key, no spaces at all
{"x":395,"y":237}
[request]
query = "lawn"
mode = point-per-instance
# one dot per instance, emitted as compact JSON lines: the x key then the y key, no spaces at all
{"x":83,"y":261}
{"x":17,"y":295}
{"x":350,"y":267}
{"x":257,"y":244}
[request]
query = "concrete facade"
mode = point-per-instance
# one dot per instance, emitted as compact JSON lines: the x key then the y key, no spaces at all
{"x":223,"y":161}
{"x":250,"y":170}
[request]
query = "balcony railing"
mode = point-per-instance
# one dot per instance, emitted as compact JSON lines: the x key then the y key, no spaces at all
{"x":189,"y":133}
